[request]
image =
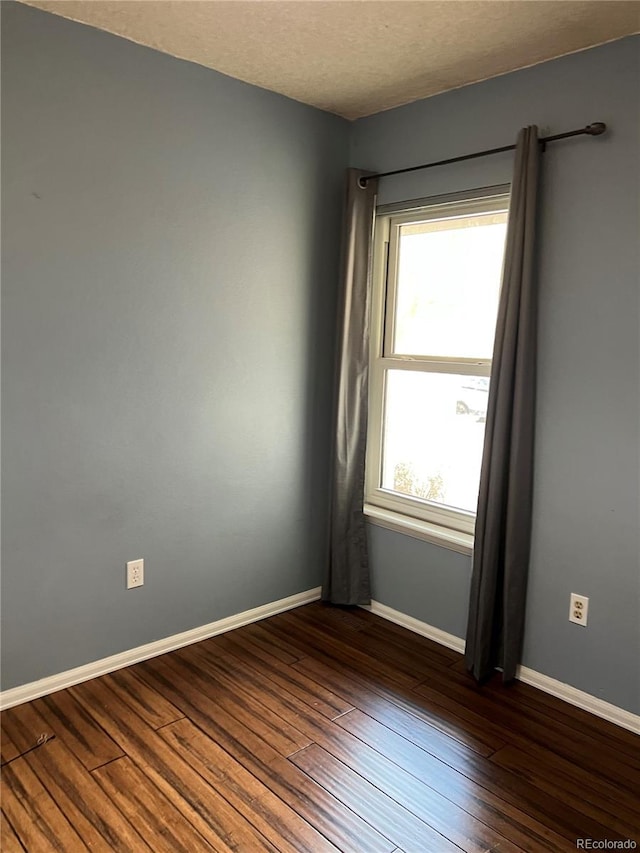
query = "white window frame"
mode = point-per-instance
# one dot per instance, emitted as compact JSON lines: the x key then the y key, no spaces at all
{"x":442,"y":525}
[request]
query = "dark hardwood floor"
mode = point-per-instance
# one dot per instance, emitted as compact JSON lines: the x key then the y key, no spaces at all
{"x":320,"y":729}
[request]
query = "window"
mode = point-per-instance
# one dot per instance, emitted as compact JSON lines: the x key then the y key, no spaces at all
{"x":436,"y":283}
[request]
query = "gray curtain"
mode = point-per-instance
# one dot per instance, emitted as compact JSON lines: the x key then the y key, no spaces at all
{"x":347,"y":577}
{"x":503,"y":523}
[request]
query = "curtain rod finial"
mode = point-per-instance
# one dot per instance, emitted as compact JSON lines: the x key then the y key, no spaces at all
{"x":596,"y":128}
{"x":362,"y":183}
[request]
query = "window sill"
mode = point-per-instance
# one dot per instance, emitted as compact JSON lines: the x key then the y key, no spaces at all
{"x":429,"y":532}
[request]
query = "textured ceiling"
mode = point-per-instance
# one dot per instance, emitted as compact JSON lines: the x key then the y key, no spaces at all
{"x":358,"y":57}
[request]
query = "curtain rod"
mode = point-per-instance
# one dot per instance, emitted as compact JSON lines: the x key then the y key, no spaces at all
{"x":594,"y":129}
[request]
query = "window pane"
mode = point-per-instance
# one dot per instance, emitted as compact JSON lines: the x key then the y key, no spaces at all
{"x":433,"y":435}
{"x":448,"y":286}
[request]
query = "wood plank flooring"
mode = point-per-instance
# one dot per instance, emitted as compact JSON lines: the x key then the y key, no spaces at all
{"x":318,"y":730}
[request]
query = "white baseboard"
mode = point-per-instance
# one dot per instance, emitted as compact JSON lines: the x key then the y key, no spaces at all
{"x":35,"y":689}
{"x":418,"y":627}
{"x":598,"y":707}
{"x":569,"y":694}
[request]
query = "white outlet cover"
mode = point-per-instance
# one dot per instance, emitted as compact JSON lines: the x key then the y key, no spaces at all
{"x":135,"y":573}
{"x":578,"y":609}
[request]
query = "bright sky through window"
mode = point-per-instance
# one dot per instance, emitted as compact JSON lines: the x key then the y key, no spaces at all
{"x":448,"y":286}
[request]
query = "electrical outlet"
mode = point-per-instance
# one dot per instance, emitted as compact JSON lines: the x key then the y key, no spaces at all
{"x":135,"y":573}
{"x":579,"y":609}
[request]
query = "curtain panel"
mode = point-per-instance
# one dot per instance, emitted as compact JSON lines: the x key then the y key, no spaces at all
{"x":503,"y":523}
{"x":347,"y":576}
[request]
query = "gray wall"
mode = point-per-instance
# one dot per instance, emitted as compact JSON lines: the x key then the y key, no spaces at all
{"x":170,"y":252}
{"x":586,"y":516}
